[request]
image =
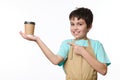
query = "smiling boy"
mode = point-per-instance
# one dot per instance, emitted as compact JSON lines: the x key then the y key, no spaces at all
{"x":80,"y":57}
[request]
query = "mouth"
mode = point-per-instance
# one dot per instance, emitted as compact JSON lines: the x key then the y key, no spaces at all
{"x":76,"y":32}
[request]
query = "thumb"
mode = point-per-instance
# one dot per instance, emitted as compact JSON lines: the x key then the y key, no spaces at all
{"x":71,"y":43}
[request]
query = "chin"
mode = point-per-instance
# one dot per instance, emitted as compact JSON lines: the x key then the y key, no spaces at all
{"x":78,"y":37}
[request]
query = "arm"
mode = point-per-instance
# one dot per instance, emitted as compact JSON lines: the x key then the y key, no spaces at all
{"x":98,"y":66}
{"x":55,"y":59}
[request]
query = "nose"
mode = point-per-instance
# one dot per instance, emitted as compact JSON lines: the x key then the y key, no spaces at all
{"x":75,"y":27}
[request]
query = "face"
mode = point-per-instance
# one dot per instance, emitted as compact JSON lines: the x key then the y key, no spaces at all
{"x":79,"y":28}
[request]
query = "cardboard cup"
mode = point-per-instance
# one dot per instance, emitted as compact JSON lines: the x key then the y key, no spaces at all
{"x":29,"y":27}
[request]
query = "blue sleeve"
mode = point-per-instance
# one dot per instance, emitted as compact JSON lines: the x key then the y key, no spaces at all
{"x":101,"y":54}
{"x":63,"y":51}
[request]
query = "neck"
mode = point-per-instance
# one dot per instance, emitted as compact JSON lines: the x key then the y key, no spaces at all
{"x":85,"y":38}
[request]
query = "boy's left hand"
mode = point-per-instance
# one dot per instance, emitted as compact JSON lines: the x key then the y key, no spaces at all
{"x":77,"y":49}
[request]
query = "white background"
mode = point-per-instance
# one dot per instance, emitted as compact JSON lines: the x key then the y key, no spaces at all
{"x":23,"y":60}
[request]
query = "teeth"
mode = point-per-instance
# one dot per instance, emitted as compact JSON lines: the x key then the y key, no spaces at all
{"x":76,"y":32}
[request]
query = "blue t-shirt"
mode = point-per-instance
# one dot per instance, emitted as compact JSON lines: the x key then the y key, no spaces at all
{"x":96,"y":45}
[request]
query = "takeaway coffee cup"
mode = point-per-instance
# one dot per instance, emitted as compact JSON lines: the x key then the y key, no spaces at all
{"x":29,"y":27}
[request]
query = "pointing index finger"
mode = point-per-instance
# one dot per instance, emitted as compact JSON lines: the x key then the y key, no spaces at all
{"x":71,"y":43}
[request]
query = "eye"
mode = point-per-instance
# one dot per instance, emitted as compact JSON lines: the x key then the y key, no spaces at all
{"x":79,"y":24}
{"x":72,"y":24}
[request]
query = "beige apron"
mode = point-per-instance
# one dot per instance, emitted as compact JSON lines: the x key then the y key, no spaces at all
{"x":77,"y":68}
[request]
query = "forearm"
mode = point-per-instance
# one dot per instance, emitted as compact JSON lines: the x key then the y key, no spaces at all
{"x":47,"y":52}
{"x":98,"y":66}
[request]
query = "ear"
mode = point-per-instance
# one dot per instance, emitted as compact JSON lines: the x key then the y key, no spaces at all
{"x":89,"y":27}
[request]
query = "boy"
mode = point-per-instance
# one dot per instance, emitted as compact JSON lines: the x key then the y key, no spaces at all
{"x":81,"y":57}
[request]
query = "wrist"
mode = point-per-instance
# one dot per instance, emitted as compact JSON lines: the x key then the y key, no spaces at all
{"x":83,"y":51}
{"x":36,"y":38}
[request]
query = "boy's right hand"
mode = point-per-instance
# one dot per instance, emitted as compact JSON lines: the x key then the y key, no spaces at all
{"x":27,"y":37}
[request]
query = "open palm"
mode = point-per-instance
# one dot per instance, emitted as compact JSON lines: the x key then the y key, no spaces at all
{"x":27,"y":37}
